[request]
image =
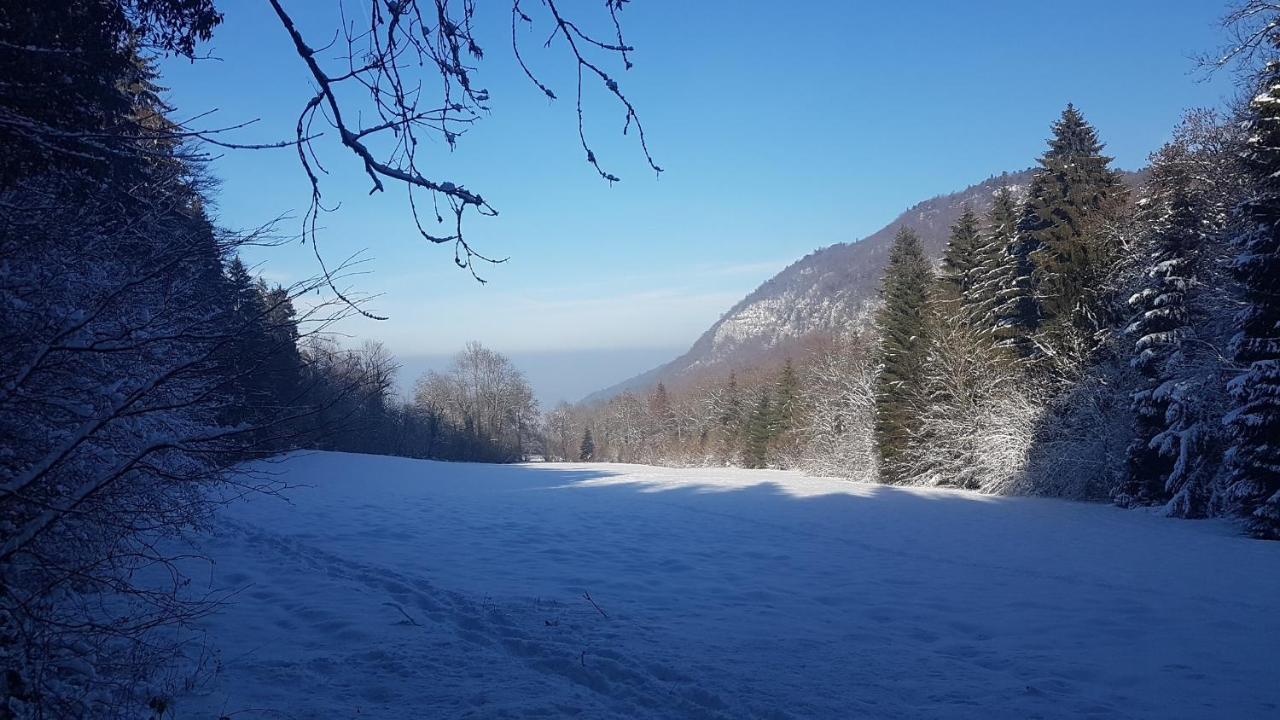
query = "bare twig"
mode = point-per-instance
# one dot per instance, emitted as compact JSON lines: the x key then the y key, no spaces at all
{"x":594,"y":605}
{"x":402,"y":612}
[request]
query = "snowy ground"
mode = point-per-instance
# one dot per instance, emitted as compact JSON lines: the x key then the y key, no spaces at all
{"x":395,"y":588}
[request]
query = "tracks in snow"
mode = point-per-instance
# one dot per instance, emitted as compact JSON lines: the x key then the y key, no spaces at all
{"x":528,"y":647}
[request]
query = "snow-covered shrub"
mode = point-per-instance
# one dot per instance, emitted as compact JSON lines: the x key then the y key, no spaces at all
{"x":978,"y":417}
{"x":838,"y":435}
{"x":1082,"y":436}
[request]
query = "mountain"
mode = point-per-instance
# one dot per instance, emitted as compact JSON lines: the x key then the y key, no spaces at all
{"x":815,"y":297}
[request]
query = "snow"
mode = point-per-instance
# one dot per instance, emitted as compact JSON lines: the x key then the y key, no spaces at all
{"x":395,"y":588}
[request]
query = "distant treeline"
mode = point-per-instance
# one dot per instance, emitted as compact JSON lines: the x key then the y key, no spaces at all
{"x":480,"y":410}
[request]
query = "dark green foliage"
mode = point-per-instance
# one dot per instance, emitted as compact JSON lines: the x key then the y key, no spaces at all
{"x":261,"y":360}
{"x":729,"y":414}
{"x":761,"y":428}
{"x":902,"y":326}
{"x":788,"y":401}
{"x":1253,"y":461}
{"x":961,"y":260}
{"x":729,"y":418}
{"x":587,"y":450}
{"x":1191,"y":187}
{"x":768,"y":429}
{"x":244,"y":353}
{"x":1017,"y":314}
{"x":1161,"y":327}
{"x":73,"y":80}
{"x":281,"y":369}
{"x":1065,"y":235}
{"x":995,"y":267}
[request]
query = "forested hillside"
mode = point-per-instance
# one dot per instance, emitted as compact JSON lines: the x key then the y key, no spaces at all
{"x":820,"y":295}
{"x":1081,"y":337}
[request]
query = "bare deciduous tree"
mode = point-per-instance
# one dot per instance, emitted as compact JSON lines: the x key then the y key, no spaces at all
{"x":839,"y":437}
{"x":978,"y":416}
{"x":485,"y":396}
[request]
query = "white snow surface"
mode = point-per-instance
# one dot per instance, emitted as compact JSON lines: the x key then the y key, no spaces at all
{"x":395,"y":588}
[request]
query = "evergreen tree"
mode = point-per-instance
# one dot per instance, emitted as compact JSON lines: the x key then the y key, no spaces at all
{"x":1063,"y":231}
{"x":1017,"y":314}
{"x":587,"y":451}
{"x":902,"y":326}
{"x":1161,"y":325}
{"x":788,"y":389}
{"x":1253,"y":460}
{"x":660,"y":410}
{"x":1191,"y":187}
{"x":76,"y":95}
{"x":284,"y":363}
{"x":762,"y":426}
{"x":995,"y":267}
{"x":961,"y":260}
{"x":244,"y":356}
{"x":730,"y":410}
{"x":729,"y":418}
{"x":111,"y":305}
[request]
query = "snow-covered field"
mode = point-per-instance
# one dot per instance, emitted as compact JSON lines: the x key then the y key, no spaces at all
{"x":393,"y":588}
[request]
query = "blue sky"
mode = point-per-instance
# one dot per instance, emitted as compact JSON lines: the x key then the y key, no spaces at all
{"x":783,"y":127}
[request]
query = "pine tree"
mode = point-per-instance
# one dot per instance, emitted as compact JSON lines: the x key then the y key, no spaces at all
{"x":952,"y":302}
{"x":1017,"y":314}
{"x":1191,"y":186}
{"x":960,"y":260}
{"x":587,"y":450}
{"x":762,"y":427}
{"x":902,"y":326}
{"x":282,"y":367}
{"x":730,"y":403}
{"x":88,"y":107}
{"x":1253,"y":460}
{"x":729,"y":418}
{"x":243,"y":357}
{"x":1160,"y":326}
{"x":788,"y":390}
{"x":1063,"y":234}
{"x":660,"y":410}
{"x":995,"y":266}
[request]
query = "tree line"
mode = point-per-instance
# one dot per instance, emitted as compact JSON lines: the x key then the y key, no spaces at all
{"x":1079,"y":338}
{"x":816,"y":414}
{"x":1092,"y":341}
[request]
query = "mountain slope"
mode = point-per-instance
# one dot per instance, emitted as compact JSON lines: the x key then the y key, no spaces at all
{"x":830,"y":289}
